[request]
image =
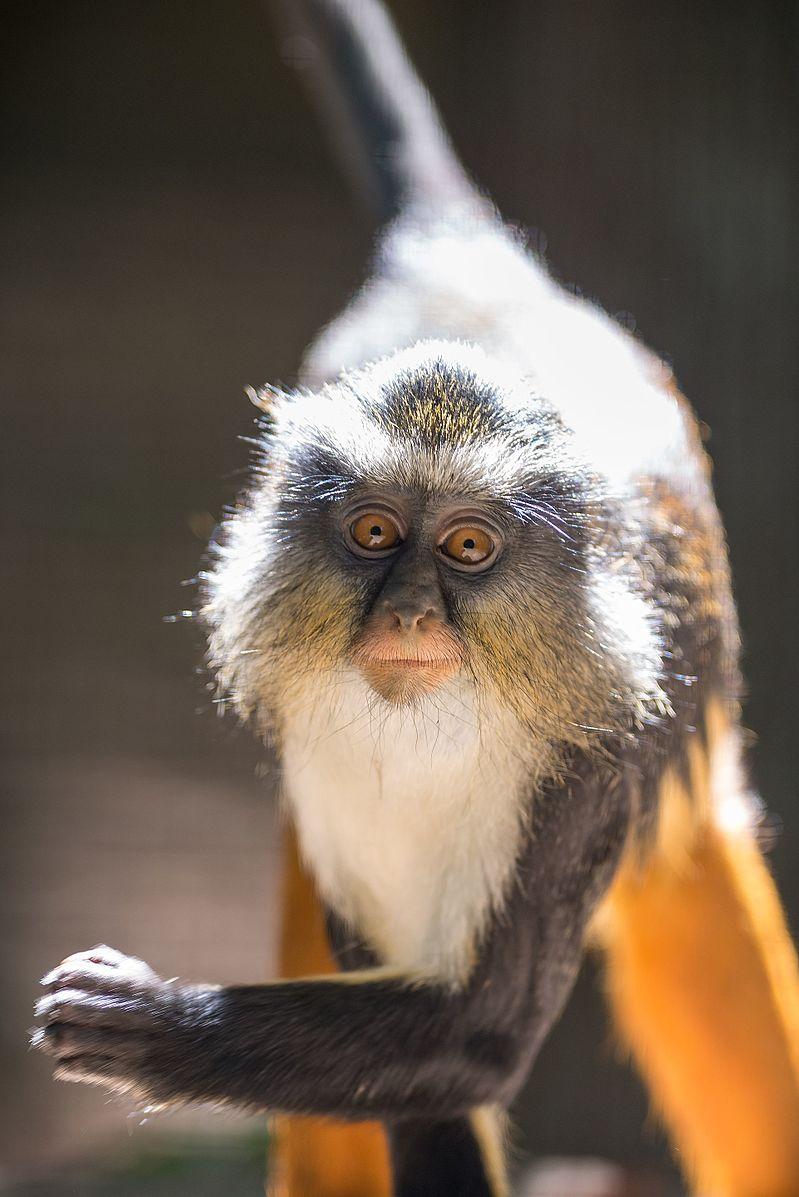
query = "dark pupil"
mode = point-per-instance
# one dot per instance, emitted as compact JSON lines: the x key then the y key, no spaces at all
{"x":468,"y":543}
{"x":375,"y":530}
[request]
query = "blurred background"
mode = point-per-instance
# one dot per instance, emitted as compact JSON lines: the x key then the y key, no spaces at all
{"x":174,"y":228}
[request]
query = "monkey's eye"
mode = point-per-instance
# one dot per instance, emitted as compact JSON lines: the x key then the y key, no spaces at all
{"x":469,"y":546}
{"x":374,"y":532}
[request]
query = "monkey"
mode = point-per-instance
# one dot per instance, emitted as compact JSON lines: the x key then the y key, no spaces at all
{"x":477,"y":599}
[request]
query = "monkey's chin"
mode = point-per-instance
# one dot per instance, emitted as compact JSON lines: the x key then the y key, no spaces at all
{"x":404,"y":682}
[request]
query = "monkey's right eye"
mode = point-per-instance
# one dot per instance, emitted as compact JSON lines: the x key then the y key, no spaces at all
{"x":374,"y":532}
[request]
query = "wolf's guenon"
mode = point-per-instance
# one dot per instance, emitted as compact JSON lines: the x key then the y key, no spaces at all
{"x":477,"y":597}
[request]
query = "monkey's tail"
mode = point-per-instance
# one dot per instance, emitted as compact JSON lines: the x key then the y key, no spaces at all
{"x":380,"y":116}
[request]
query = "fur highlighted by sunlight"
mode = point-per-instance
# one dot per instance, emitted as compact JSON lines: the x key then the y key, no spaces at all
{"x":476,"y":598}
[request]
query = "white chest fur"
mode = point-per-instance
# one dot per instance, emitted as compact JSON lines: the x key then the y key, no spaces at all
{"x":409,"y":817}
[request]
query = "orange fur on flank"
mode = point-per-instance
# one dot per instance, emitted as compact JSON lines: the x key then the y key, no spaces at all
{"x":704,"y":982}
{"x":316,"y":1157}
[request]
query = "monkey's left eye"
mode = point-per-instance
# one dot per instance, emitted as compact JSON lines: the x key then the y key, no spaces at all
{"x":469,"y":546}
{"x":374,"y":532}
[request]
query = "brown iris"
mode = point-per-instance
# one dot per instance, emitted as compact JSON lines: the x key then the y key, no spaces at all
{"x":468,"y":546}
{"x":375,"y":532}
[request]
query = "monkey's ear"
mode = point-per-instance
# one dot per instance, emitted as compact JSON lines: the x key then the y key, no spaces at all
{"x":264,"y":398}
{"x":267,"y":399}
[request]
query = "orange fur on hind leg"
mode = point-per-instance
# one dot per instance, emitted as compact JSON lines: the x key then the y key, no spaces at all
{"x":316,"y":1157}
{"x":704,"y":983}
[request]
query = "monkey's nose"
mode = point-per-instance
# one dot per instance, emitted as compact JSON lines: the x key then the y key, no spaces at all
{"x":410,"y":616}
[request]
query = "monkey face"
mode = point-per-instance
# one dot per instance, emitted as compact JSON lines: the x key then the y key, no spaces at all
{"x":424,"y":522}
{"x":408,"y":645}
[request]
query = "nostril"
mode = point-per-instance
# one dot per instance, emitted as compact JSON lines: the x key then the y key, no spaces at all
{"x":408,"y":618}
{"x":422,"y":617}
{"x":392,"y":612}
{"x":398,"y":617}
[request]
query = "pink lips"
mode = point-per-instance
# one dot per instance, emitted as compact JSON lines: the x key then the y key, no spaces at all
{"x":401,"y":666}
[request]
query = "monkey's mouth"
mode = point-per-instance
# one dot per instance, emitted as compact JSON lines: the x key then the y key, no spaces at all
{"x":403,"y":668}
{"x":403,"y":679}
{"x":411,"y":662}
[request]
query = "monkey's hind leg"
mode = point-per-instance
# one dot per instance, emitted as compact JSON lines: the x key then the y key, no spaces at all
{"x":463,"y":1157}
{"x":704,"y":982}
{"x":316,"y":1157}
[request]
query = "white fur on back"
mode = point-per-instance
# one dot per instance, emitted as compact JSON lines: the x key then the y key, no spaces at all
{"x":472,"y":282}
{"x":410,"y":823}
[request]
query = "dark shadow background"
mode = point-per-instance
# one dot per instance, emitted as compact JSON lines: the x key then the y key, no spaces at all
{"x":173,"y":229}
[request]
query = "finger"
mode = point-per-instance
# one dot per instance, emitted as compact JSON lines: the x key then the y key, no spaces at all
{"x":100,"y":954}
{"x":74,"y":1006}
{"x":83,"y":973}
{"x":92,"y":978}
{"x":93,"y":1070}
{"x":66,"y":1042}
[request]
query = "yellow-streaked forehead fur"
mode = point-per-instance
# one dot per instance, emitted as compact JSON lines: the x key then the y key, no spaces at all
{"x":439,"y":416}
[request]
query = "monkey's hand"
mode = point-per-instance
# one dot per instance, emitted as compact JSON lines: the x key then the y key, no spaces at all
{"x":108,"y":1019}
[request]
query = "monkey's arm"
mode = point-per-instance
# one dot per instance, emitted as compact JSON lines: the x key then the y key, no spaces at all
{"x":363,"y":1045}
